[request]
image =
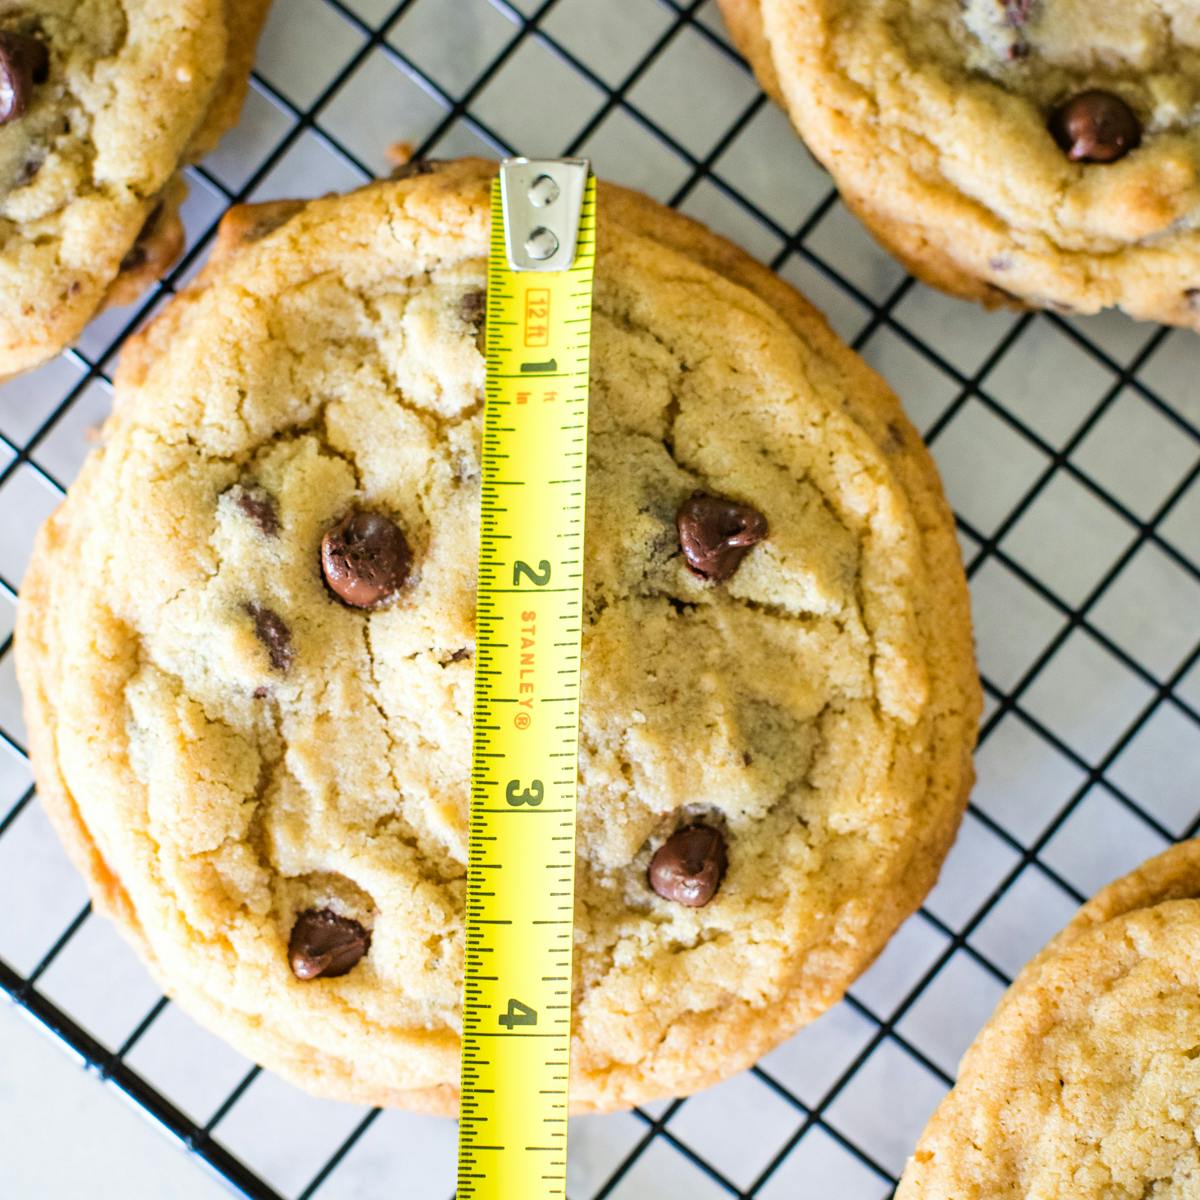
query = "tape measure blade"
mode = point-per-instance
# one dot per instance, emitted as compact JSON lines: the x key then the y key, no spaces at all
{"x":521,"y":861}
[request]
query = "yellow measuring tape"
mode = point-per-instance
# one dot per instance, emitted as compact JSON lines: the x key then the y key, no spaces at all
{"x":521,"y":873}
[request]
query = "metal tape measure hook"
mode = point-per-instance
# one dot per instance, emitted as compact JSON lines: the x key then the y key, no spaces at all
{"x":542,"y":199}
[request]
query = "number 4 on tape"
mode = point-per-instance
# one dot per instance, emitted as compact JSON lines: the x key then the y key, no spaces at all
{"x":521,"y":861}
{"x":518,"y":1014}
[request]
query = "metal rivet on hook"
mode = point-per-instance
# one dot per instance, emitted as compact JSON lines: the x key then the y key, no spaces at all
{"x":542,"y":191}
{"x":541,"y":244}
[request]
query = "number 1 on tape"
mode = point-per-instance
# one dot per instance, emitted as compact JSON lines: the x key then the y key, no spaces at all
{"x":529,"y":616}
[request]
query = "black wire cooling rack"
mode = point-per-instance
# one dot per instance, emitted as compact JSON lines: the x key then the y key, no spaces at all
{"x":1071,"y":451}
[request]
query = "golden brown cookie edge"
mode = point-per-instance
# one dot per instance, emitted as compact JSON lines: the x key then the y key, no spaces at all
{"x":741,"y":1041}
{"x":1172,"y":875}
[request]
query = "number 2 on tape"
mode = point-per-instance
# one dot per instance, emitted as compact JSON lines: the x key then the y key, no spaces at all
{"x":521,"y":860}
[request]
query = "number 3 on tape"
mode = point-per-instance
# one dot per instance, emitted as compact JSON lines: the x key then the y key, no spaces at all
{"x":521,"y":859}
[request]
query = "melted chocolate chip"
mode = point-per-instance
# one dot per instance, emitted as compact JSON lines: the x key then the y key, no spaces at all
{"x":24,"y":63}
{"x":259,"y":506}
{"x":715,"y":533}
{"x":324,"y":944}
{"x":140,"y":250}
{"x":271,"y":629}
{"x":689,"y":866}
{"x":460,"y":654}
{"x":415,"y":166}
{"x":1095,"y":127}
{"x":365,"y":559}
{"x":472,"y":308}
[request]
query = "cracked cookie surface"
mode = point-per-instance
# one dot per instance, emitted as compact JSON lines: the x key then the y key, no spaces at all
{"x":940,"y":123}
{"x":130,"y":90}
{"x":244,"y":751}
{"x":1086,"y":1080}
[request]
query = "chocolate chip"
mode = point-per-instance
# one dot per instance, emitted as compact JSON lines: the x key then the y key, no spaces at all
{"x":271,"y":629}
{"x":140,"y":250}
{"x":715,"y":534}
{"x":24,"y":62}
{"x":1192,"y":296}
{"x":259,"y":506}
{"x":1095,"y":127}
{"x":1001,"y":262}
{"x":689,"y":866}
{"x":416,"y":166}
{"x":460,"y":654}
{"x":324,"y":944}
{"x":261,"y":693}
{"x":365,"y":558}
{"x":472,"y":308}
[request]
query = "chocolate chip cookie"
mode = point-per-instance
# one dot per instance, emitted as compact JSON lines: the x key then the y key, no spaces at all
{"x":1086,"y":1081}
{"x":246,"y":647}
{"x":1023,"y":152}
{"x":101,"y":102}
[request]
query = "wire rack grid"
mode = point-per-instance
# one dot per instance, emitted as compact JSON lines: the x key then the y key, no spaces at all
{"x":1071,"y":452}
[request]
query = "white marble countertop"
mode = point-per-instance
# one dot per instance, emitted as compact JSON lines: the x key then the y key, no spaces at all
{"x":64,"y":1134}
